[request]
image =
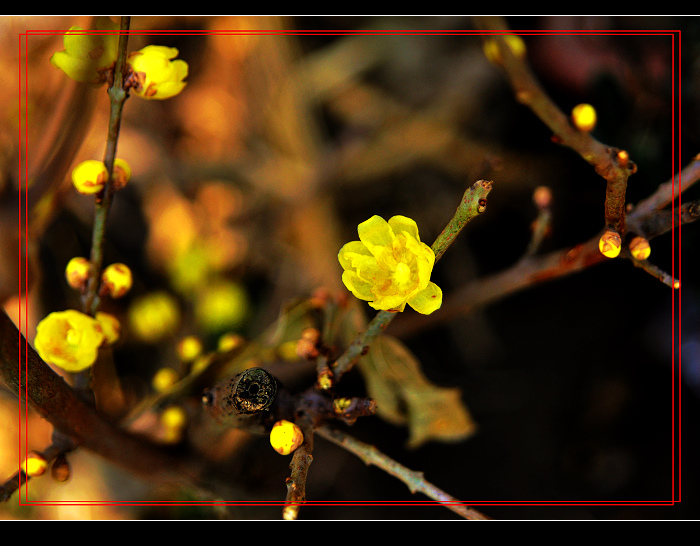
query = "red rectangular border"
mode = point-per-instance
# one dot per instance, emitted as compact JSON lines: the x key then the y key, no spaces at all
{"x":676,"y":258}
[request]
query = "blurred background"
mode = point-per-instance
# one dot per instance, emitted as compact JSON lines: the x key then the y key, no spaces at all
{"x":246,"y":185}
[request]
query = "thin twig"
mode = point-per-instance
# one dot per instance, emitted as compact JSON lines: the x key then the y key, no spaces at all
{"x":415,"y":481}
{"x":612,"y":164}
{"x":296,"y":483}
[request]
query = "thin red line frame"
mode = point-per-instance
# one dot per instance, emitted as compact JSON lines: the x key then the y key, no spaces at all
{"x":675,"y":466}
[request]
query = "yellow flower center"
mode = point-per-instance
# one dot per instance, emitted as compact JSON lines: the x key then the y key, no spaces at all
{"x":73,"y":337}
{"x":402,"y":275}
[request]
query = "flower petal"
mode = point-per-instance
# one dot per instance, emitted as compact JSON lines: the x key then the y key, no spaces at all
{"x":427,"y":300}
{"x":361,"y":290}
{"x":402,"y":223}
{"x":375,"y":232}
{"x":349,"y":250}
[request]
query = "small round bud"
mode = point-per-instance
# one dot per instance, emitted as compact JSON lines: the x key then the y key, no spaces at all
{"x":623,"y":158}
{"x":121,"y":174}
{"x":542,"y":197}
{"x":639,"y":248}
{"x":584,"y":117}
{"x":90,"y":177}
{"x":610,"y":243}
{"x":78,"y":272}
{"x":164,"y":379}
{"x":35,"y":464}
{"x":285,"y":437}
{"x":116,"y":280}
{"x":189,"y":348}
{"x":111,"y":327}
{"x":174,"y":420}
{"x":229,"y":341}
{"x":340,"y":404}
{"x":60,"y":469}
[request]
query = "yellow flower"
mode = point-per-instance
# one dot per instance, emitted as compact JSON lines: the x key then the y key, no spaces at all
{"x":69,"y":339}
{"x":164,"y":379}
{"x":389,"y":266}
{"x":189,"y":348}
{"x":35,"y":464}
{"x":87,"y":56}
{"x":610,"y":243}
{"x":157,"y":76}
{"x":285,"y":437}
{"x":221,"y":306}
{"x":640,"y":249}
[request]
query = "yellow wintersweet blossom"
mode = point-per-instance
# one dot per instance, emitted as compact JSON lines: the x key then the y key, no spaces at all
{"x":157,"y":75}
{"x":69,"y":339}
{"x":86,"y":56}
{"x":389,"y":266}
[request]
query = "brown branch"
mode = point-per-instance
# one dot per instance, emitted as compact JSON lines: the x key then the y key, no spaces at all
{"x":612,"y":164}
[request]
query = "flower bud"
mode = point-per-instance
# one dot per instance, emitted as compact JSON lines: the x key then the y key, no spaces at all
{"x":111,"y":327}
{"x":35,"y":464}
{"x":189,"y":348}
{"x":639,"y":248}
{"x":584,"y":117}
{"x":78,"y":272}
{"x":174,"y":420}
{"x":610,"y":243}
{"x":116,"y":280}
{"x":285,"y":437}
{"x":164,"y":378}
{"x":90,"y":177}
{"x":121,"y":174}
{"x":542,"y":197}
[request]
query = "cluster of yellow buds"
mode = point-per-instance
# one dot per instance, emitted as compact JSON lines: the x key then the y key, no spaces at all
{"x":90,"y":57}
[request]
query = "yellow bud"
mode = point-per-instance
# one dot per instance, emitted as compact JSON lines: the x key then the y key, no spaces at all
{"x":340,"y":404}
{"x":90,"y":177}
{"x":78,"y":272}
{"x":154,"y":316}
{"x":514,"y":42}
{"x":121,"y":174}
{"x":189,"y":348}
{"x":164,"y":379}
{"x":174,"y":421}
{"x":584,"y":117}
{"x":116,"y":280}
{"x":285,"y":437}
{"x":157,"y":74}
{"x":610,"y":243}
{"x":640,"y":249}
{"x":111,"y":328}
{"x":34,"y":464}
{"x":230,"y":341}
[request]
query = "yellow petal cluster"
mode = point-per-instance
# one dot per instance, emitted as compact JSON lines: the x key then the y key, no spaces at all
{"x":87,"y":56}
{"x":158,"y":76}
{"x":69,"y":339}
{"x":389,"y":266}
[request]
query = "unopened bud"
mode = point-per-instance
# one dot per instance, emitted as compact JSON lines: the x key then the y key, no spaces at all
{"x":285,"y":437}
{"x":584,"y":117}
{"x":116,"y":280}
{"x":639,"y":248}
{"x":35,"y":464}
{"x":60,"y":470}
{"x":78,"y":272}
{"x":610,"y":243}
